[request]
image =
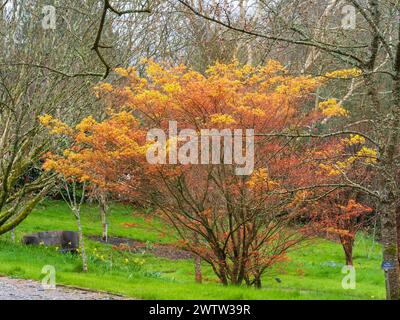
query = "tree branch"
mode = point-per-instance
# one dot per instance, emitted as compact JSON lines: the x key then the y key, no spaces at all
{"x":97,"y":45}
{"x":332,"y":49}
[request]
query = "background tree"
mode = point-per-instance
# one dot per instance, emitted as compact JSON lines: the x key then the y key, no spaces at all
{"x":44,"y":70}
{"x":339,"y":216}
{"x":74,"y":197}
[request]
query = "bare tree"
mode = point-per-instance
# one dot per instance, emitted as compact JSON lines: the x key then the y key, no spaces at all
{"x":41,"y":71}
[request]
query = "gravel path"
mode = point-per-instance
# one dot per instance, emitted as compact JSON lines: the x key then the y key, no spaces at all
{"x":16,"y":289}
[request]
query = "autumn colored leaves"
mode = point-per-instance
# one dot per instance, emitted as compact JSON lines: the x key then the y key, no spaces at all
{"x":240,"y":224}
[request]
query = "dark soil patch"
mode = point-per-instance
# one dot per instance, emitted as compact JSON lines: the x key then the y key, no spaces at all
{"x":159,"y":250}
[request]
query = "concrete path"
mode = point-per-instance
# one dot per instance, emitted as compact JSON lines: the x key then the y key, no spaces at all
{"x":16,"y":289}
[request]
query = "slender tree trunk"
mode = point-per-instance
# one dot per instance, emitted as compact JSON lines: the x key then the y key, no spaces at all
{"x":237,"y":273}
{"x":197,"y":269}
{"x":242,"y":271}
{"x":222,"y":270}
{"x":81,"y":242}
{"x":247,"y":280}
{"x":197,"y":262}
{"x":103,"y":217}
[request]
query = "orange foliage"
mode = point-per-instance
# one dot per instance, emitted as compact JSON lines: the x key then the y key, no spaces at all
{"x":235,"y":223}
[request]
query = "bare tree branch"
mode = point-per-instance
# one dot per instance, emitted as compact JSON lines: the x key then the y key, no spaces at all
{"x":97,"y":45}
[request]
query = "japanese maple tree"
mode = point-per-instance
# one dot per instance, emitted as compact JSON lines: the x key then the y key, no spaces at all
{"x":239,"y":224}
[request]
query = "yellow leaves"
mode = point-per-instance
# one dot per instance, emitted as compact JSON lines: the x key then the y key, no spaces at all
{"x":273,"y":67}
{"x":244,"y":111}
{"x":55,"y":126}
{"x":86,"y":124}
{"x":344,"y":73}
{"x":231,"y":71}
{"x":96,"y":147}
{"x":162,"y":74}
{"x":331,"y":108}
{"x":151,"y":95}
{"x":231,"y":92}
{"x":370,"y":155}
{"x":365,"y":156}
{"x":297,"y":86}
{"x":122,"y":72}
{"x":104,"y":87}
{"x":63,"y":166}
{"x":123,"y":118}
{"x":172,"y":88}
{"x":49,"y":164}
{"x":246,"y":73}
{"x":222,"y":119}
{"x":45,"y":119}
{"x":258,"y":112}
{"x":131,"y":71}
{"x":220,"y":69}
{"x":191,"y":76}
{"x":329,"y":170}
{"x":354,"y":139}
{"x":154,"y":69}
{"x":261,"y":179}
{"x":136,"y":82}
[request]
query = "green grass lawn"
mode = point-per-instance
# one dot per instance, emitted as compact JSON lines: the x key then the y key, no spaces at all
{"x":313,"y":271}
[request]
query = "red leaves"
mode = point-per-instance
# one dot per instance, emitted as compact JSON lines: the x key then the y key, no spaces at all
{"x":338,"y":216}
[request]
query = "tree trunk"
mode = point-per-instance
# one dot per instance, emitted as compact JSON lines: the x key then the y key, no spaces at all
{"x":197,"y":269}
{"x":235,"y":272}
{"x":223,"y":277}
{"x":257,"y":282}
{"x":197,"y":261}
{"x":347,"y":245}
{"x":103,"y":217}
{"x":398,"y":232}
{"x":81,"y":242}
{"x":390,"y":251}
{"x":247,"y":280}
{"x":222,"y":272}
{"x":390,"y":236}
